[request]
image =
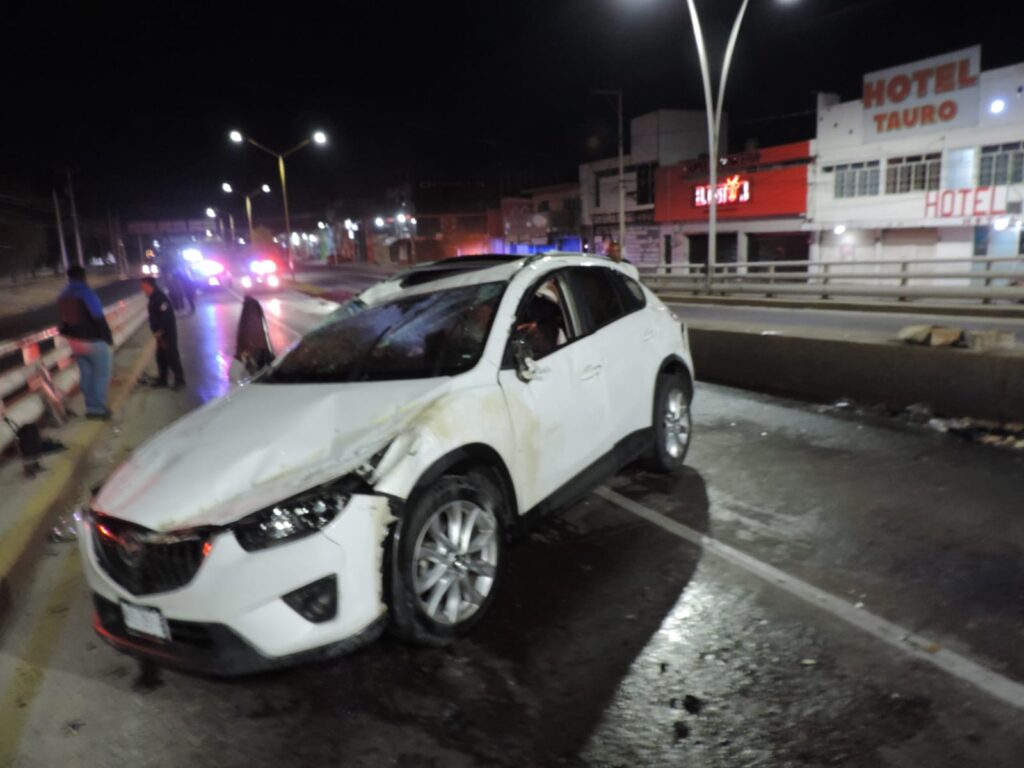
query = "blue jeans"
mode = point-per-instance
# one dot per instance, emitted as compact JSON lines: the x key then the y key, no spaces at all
{"x":95,"y":361}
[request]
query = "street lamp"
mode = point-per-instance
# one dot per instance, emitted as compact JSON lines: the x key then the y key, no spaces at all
{"x":264,"y":188}
{"x":212,"y":213}
{"x":714,"y":118}
{"x":318,"y":137}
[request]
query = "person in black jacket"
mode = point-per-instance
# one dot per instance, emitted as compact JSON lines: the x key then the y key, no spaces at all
{"x":82,"y":322}
{"x":161,"y":322}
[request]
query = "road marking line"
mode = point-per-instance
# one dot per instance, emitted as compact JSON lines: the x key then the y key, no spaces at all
{"x":15,"y":705}
{"x":1002,"y":688}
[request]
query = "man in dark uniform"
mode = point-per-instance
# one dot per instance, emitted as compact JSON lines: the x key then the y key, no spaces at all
{"x":161,"y":322}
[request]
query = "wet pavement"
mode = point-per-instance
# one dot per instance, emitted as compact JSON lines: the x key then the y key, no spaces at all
{"x":614,"y":641}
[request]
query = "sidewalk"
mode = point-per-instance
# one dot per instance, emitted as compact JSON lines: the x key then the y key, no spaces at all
{"x":29,"y":506}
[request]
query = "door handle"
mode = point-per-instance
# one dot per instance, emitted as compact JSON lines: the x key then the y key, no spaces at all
{"x":648,"y":334}
{"x":590,"y":372}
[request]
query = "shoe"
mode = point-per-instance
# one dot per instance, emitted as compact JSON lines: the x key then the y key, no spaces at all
{"x":178,"y":385}
{"x":101,"y":416}
{"x":158,"y":384}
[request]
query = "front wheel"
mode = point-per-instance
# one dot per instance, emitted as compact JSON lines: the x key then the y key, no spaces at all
{"x":672,"y":426}
{"x":447,"y":558}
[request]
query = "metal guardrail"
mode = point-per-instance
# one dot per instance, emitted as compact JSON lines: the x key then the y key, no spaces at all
{"x":27,"y":362}
{"x":973,"y":279}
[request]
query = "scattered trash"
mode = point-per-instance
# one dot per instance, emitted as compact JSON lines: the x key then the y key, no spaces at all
{"x":932,"y":335}
{"x":982,"y":340}
{"x":148,"y":678}
{"x":807,"y":662}
{"x":858,"y":605}
{"x":919,"y":413}
{"x":65,"y":531}
{"x":682,"y":729}
{"x":933,"y":647}
{"x":983,"y":431}
{"x":664,"y":667}
{"x":764,"y":434}
{"x":74,"y":726}
{"x":842,"y":404}
{"x":692,"y":704}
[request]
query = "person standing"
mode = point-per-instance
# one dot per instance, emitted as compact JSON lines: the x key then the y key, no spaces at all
{"x":161,"y":322}
{"x":82,"y":322}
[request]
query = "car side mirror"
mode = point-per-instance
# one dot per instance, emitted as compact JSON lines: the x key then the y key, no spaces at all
{"x":526,"y":366}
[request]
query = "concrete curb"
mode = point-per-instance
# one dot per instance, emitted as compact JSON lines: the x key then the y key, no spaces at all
{"x":954,"y":382}
{"x":891,"y":308}
{"x":63,"y":474}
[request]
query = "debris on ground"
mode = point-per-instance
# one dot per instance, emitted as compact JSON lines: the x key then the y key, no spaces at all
{"x":74,"y":726}
{"x":692,"y":704}
{"x":944,"y":336}
{"x":983,"y":431}
{"x":65,"y":531}
{"x":807,"y":662}
{"x":682,"y":729}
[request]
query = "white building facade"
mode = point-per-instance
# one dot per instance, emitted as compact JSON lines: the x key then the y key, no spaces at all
{"x":928,"y":163}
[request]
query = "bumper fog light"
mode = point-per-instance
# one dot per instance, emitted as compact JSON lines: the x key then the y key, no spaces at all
{"x":316,"y":602}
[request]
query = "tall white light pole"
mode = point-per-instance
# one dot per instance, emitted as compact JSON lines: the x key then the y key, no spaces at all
{"x":714,"y":115}
{"x":319,"y":138}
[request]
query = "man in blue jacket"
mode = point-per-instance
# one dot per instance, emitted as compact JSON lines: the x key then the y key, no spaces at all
{"x":82,"y":323}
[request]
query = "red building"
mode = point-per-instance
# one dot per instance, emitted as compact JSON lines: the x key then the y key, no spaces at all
{"x":762,"y":206}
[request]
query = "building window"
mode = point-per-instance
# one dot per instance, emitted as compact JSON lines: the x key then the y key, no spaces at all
{"x":915,"y":173}
{"x":1001,"y":164}
{"x":855,"y":179}
{"x":597,"y":190}
{"x":645,"y":184}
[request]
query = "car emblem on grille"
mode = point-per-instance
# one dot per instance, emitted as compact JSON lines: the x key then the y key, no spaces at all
{"x":130,"y":548}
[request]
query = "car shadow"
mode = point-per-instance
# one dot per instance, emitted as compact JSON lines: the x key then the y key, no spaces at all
{"x":585,"y":592}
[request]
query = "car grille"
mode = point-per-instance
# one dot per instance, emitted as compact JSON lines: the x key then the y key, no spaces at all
{"x":144,"y":561}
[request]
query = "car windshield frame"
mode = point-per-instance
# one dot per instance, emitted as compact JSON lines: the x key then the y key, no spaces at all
{"x":426,"y":334}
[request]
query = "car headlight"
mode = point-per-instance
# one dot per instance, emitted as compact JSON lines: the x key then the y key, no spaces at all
{"x":294,"y":518}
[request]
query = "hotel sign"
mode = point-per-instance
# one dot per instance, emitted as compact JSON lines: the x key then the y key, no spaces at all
{"x":930,"y":95}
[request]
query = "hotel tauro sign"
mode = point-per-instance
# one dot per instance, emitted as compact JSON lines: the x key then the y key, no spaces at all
{"x":734,"y":189}
{"x":930,"y":95}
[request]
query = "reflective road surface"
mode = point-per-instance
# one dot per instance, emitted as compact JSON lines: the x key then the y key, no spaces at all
{"x":814,"y":589}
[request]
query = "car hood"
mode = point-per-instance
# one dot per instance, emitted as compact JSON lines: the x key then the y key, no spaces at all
{"x":258,"y":445}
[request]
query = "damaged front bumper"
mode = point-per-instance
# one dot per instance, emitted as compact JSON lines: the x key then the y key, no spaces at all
{"x":234,"y":616}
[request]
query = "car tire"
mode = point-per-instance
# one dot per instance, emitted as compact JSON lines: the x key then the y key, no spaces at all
{"x":672,"y":427}
{"x":446,"y":558}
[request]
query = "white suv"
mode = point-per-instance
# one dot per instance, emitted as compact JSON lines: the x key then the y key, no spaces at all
{"x":371,"y":475}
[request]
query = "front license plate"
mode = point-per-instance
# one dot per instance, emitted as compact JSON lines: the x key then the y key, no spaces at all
{"x":144,"y":621}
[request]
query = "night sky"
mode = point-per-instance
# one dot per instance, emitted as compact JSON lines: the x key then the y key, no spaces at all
{"x":138,"y":101}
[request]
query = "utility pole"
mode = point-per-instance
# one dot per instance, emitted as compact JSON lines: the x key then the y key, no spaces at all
{"x":74,"y":222}
{"x":60,"y":231}
{"x":622,"y":171}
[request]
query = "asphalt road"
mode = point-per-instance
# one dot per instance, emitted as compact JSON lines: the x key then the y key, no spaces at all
{"x":814,"y":589}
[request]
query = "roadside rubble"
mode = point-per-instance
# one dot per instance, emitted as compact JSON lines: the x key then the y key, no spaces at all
{"x":944,"y":336}
{"x":995,"y":434}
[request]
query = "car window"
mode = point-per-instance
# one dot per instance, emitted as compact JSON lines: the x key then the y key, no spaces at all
{"x":630,"y":292}
{"x":542,"y":319}
{"x":432,"y":334}
{"x":596,"y":296}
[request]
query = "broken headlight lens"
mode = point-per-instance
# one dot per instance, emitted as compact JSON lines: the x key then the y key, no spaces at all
{"x":292,"y":518}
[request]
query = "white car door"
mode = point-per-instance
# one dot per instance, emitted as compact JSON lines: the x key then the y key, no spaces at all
{"x":626,"y":336}
{"x":558,"y":415}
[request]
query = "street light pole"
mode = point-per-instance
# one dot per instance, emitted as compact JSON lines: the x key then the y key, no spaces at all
{"x":714,"y":119}
{"x":318,"y":137}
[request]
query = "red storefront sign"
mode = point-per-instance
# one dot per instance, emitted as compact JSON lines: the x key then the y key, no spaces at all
{"x":965,"y":203}
{"x":733,"y":190}
{"x":769,"y":183}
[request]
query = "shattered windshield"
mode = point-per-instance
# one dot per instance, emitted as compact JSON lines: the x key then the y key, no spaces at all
{"x":413,"y":337}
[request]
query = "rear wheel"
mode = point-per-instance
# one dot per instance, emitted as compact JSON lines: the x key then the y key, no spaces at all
{"x":672,"y":426}
{"x":447,"y":558}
